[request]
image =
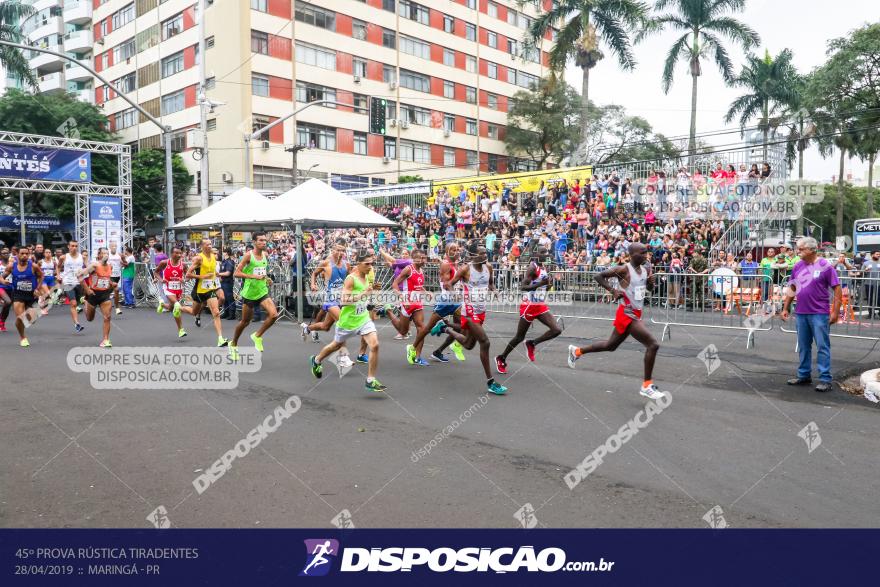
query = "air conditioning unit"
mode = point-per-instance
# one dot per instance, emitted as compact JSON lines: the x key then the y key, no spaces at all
{"x":392,"y":85}
{"x":227,"y":177}
{"x":265,"y":144}
{"x":357,"y":79}
{"x":392,"y":122}
{"x":447,"y":133}
{"x":100,"y":41}
{"x":404,"y":124}
{"x":386,"y":160}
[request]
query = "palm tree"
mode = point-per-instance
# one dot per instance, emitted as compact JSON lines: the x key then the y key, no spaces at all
{"x":704,"y":23}
{"x":770,"y":86}
{"x":587,"y":25}
{"x":12,"y":12}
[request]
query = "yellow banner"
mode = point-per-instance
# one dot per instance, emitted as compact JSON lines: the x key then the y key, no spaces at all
{"x":237,"y":236}
{"x":526,"y":181}
{"x":196,"y":236}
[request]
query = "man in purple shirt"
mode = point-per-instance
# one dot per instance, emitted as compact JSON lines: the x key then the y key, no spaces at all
{"x":811,"y":279}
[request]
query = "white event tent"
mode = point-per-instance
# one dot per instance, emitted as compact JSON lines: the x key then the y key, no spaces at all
{"x":242,"y":209}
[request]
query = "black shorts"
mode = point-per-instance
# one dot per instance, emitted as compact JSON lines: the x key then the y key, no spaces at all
{"x":25,"y":297}
{"x":74,"y":294}
{"x":115,"y":279}
{"x":99,"y":297}
{"x":202,"y":298}
{"x":253,"y":303}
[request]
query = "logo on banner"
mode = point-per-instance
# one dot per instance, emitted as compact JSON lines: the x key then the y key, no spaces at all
{"x":105,"y":212}
{"x":320,"y":554}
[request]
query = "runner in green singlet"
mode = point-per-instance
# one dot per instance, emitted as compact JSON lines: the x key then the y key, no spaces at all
{"x":255,"y":292}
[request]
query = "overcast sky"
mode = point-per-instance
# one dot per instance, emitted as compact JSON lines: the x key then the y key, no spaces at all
{"x":804,"y":26}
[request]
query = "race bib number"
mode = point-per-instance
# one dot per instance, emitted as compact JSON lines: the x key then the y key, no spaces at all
{"x":360,"y":307}
{"x":174,"y":285}
{"x":25,"y":286}
{"x":210,"y":284}
{"x":115,"y":271}
{"x":639,"y":292}
{"x":259,"y":271}
{"x":103,"y":283}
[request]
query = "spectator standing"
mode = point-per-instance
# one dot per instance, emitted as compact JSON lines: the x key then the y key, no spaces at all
{"x":128,"y":273}
{"x":871,"y":274}
{"x":227,"y":281}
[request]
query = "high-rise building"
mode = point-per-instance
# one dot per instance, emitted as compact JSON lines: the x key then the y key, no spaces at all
{"x":446,"y":69}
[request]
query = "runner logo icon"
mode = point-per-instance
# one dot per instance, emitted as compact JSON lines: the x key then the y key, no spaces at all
{"x":320,"y":553}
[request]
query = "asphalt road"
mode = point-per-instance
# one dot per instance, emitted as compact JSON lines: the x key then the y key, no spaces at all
{"x":75,"y":456}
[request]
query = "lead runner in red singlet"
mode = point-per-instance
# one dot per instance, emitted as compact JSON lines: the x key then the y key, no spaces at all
{"x":171,"y":273}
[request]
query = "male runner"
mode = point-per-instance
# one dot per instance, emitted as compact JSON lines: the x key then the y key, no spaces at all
{"x":397,"y":265}
{"x":48,"y":267}
{"x":447,"y":305}
{"x":72,"y":264}
{"x":115,"y":260}
{"x":99,"y":288}
{"x":169,"y":273}
{"x":476,"y":277}
{"x":533,"y":307}
{"x":5,"y":292}
{"x":354,"y":319}
{"x":633,"y":279}
{"x":26,"y":281}
{"x":254,"y":292}
{"x":334,"y":269}
{"x":409,"y":284}
{"x":207,"y":289}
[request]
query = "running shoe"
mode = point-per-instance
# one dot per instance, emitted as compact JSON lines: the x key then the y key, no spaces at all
{"x":572,"y":356}
{"x":118,"y":311}
{"x":79,"y":309}
{"x":497,"y":388}
{"x":181,"y":333}
{"x":3,"y":327}
{"x":105,"y":344}
{"x":652,"y":392}
{"x":258,"y":341}
{"x":317,"y":368}
{"x":24,"y":343}
{"x":160,"y":307}
{"x":439,"y":357}
{"x":305,"y":330}
{"x":44,"y":312}
{"x":78,"y":327}
{"x":411,"y":354}
{"x":222,"y":341}
{"x":199,"y":320}
{"x":315,"y":338}
{"x":365,"y":358}
{"x":421,"y":362}
{"x":56,"y":293}
{"x":374,"y":385}
{"x":530,"y":350}
{"x":175,"y":311}
{"x":82,"y":300}
{"x":458,"y":350}
{"x":233,"y":352}
{"x":438,"y":328}
{"x":500,"y":364}
{"x":399,"y":336}
{"x":344,"y":365}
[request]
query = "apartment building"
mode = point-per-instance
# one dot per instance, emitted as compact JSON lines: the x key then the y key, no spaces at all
{"x":446,"y":68}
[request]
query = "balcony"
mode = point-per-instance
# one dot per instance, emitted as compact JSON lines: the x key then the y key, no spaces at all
{"x":46,"y":62}
{"x":45,"y":27}
{"x":52,"y":83}
{"x":77,"y":12}
{"x":87,"y":96}
{"x":78,"y":41}
{"x":76,"y":73}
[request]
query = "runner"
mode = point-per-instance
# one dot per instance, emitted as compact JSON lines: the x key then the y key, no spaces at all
{"x":115,"y":260}
{"x":207,"y":288}
{"x":447,"y":305}
{"x":169,"y":273}
{"x":254,"y":292}
{"x":409,"y":284}
{"x":477,"y":280}
{"x":99,"y":289}
{"x":534,"y":284}
{"x":334,"y":269}
{"x":397,"y":265}
{"x":71,"y":264}
{"x":633,"y":280}
{"x":354,"y":319}
{"x":48,"y":289}
{"x":26,"y":281}
{"x":5,"y":292}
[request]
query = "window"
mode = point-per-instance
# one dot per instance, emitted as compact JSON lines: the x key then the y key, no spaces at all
{"x":259,"y":85}
{"x":172,"y":103}
{"x":313,"y":15}
{"x":306,"y":92}
{"x":415,"y":115}
{"x":492,"y":10}
{"x":470,"y":31}
{"x":178,"y":142}
{"x":449,"y":122}
{"x":361,"y":104}
{"x":125,"y":119}
{"x":389,"y":39}
{"x":388,"y":5}
{"x":492,"y":39}
{"x":471,"y":4}
{"x":523,"y":79}
{"x":413,"y":11}
{"x":492,"y":70}
{"x":212,"y":124}
{"x":449,"y":90}
{"x":449,"y":57}
{"x":512,"y":46}
{"x":531,"y":53}
{"x":470,"y":64}
{"x":259,"y":42}
{"x":359,"y":67}
{"x":471,"y":158}
{"x":492,"y":163}
{"x":415,"y":81}
{"x":259,"y":5}
{"x":470,"y":95}
{"x":172,"y":64}
{"x":389,"y":74}
{"x":358,"y":29}
{"x":492,"y":131}
{"x":391,"y":148}
{"x":314,"y":136}
{"x":414,"y":47}
{"x":470,"y":126}
{"x":126,"y":83}
{"x":123,"y":17}
{"x":123,"y":51}
{"x":511,"y":16}
{"x":449,"y":157}
{"x":315,"y":56}
{"x":390,"y":109}
{"x":172,"y":27}
{"x":413,"y":151}
{"x":360,"y":143}
{"x":448,"y":24}
{"x":210,"y":83}
{"x":492,"y":101}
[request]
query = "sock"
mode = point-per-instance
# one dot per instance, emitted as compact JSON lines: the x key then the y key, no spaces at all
{"x":491,"y":381}
{"x":370,"y":379}
{"x":578,"y":352}
{"x":647,"y":382}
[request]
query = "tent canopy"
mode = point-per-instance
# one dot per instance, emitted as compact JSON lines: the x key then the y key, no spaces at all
{"x":314,"y":204}
{"x":244,"y":208}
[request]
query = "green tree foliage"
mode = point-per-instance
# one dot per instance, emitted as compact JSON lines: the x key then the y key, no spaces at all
{"x":824,"y":213}
{"x":12,"y":12}
{"x":544,"y":125}
{"x":409,"y":179}
{"x":148,"y":183}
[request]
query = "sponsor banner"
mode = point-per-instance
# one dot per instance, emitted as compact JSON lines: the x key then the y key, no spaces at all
{"x":237,"y":236}
{"x":169,"y":557}
{"x":489,"y":299}
{"x":105,"y":223}
{"x":35,"y":222}
{"x":866,"y":235}
{"x":528,"y":181}
{"x":40,"y":163}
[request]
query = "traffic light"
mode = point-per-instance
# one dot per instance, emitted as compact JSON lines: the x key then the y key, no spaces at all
{"x":377,"y":116}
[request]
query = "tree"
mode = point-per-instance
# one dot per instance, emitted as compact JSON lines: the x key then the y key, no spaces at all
{"x":704,"y":23}
{"x":823,"y":213}
{"x":12,"y":12}
{"x":544,"y":125}
{"x":406,"y":179}
{"x":770,"y":85}
{"x":615,"y":136}
{"x":148,"y":183}
{"x":587,"y":24}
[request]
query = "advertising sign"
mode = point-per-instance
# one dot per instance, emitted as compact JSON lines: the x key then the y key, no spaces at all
{"x":42,"y":163}
{"x":529,"y":181}
{"x":105,"y":223}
